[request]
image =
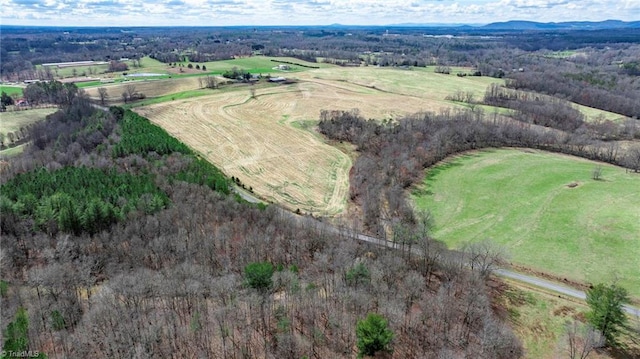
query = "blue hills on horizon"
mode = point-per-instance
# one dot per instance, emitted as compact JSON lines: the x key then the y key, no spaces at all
{"x":521,"y":25}
{"x":534,"y":25}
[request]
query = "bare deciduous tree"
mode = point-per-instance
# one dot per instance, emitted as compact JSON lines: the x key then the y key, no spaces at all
{"x":211,"y":82}
{"x":130,"y":89}
{"x":581,"y":339}
{"x":102,"y":93}
{"x":483,"y":256}
{"x":632,"y":159}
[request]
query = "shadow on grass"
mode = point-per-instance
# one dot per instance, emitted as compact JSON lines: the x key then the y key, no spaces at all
{"x":434,"y":171}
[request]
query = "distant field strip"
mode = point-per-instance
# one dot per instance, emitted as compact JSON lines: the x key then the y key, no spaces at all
{"x":416,"y":82}
{"x":544,"y":208}
{"x":13,"y":120}
{"x":150,"y":88}
{"x":424,"y":83}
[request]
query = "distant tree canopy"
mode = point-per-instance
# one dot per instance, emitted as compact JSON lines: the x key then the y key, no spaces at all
{"x":236,"y":73}
{"x":53,"y":92}
{"x":117,"y":66}
{"x":5,"y":99}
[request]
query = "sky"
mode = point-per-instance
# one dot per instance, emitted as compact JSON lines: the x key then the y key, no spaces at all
{"x":306,"y":12}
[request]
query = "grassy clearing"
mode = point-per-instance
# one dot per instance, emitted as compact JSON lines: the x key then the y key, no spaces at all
{"x":416,"y":82}
{"x":522,"y":200}
{"x":13,"y":151}
{"x":11,"y":90}
{"x":171,"y":97}
{"x":79,"y":70}
{"x":147,"y":64}
{"x":14,"y":120}
{"x":594,"y":114}
{"x":563,"y":54}
{"x":538,"y":318}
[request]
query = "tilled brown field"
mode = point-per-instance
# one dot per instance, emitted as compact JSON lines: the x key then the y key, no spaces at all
{"x":256,"y":140}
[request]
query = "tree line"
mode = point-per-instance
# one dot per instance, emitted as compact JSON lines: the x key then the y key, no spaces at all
{"x":393,"y":155}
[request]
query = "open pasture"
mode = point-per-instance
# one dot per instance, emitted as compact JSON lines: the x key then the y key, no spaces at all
{"x":13,"y":120}
{"x":260,"y":141}
{"x":544,"y":208}
{"x":415,"y":82}
{"x":424,"y":83}
{"x":279,"y":162}
{"x":12,"y":90}
{"x":253,"y":138}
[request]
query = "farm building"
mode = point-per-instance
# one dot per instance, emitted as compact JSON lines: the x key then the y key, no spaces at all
{"x":75,"y":63}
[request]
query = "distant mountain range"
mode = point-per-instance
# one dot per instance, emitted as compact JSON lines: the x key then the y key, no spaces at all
{"x":569,"y":25}
{"x":533,"y":25}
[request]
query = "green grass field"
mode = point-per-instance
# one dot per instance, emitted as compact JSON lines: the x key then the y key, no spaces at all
{"x":12,"y":121}
{"x":521,"y":199}
{"x":11,"y":90}
{"x":10,"y":152}
{"x":79,"y":70}
{"x":172,"y":97}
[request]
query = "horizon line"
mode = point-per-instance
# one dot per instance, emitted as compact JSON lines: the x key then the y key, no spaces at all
{"x":407,"y":24}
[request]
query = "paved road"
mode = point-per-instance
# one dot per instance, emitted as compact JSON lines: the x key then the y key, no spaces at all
{"x":559,"y":288}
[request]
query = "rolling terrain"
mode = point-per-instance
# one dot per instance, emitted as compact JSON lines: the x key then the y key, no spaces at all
{"x":551,"y":215}
{"x":258,"y":139}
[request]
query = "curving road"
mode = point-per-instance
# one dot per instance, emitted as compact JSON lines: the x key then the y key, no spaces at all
{"x":502,"y":272}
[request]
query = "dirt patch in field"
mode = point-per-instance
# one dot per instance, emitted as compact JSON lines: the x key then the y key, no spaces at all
{"x":564,"y":311}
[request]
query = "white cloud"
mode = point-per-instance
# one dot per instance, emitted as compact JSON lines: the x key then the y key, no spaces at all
{"x":306,"y":12}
